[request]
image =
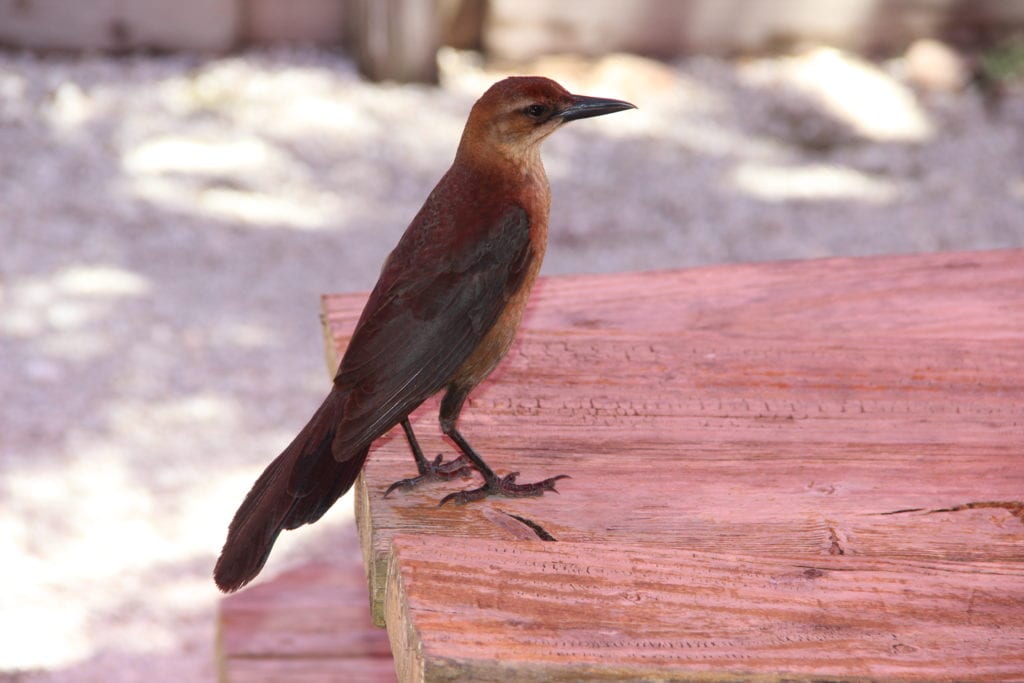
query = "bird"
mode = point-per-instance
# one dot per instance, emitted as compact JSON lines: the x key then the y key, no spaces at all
{"x":443,"y":313}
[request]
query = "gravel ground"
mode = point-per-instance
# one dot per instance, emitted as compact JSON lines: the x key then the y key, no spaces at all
{"x":169,"y":222}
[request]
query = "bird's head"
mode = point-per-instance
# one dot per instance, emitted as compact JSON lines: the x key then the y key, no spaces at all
{"x":515,"y":115}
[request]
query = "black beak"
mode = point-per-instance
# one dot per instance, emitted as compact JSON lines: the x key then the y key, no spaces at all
{"x":584,"y":107}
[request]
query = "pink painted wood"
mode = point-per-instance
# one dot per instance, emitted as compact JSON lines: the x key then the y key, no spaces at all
{"x":862,"y":418}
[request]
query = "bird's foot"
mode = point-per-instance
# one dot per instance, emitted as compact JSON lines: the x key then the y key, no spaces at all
{"x":504,"y":486}
{"x":435,"y":471}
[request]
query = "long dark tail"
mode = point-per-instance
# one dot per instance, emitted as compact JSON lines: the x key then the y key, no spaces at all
{"x":297,"y":488}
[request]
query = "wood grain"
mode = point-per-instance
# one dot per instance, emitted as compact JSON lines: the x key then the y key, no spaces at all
{"x":533,"y":611}
{"x":310,"y":625}
{"x":925,"y":296}
{"x":868,"y":410}
{"x":723,"y":461}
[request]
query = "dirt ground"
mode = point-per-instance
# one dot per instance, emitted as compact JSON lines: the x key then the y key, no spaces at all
{"x":168,"y":224}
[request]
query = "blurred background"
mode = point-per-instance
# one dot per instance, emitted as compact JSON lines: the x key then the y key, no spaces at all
{"x":181,"y":179}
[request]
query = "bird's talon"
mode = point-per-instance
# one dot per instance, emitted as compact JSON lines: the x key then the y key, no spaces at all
{"x":549,"y":484}
{"x":463,"y":497}
{"x":402,"y":484}
{"x":504,"y":486}
{"x":438,"y":470}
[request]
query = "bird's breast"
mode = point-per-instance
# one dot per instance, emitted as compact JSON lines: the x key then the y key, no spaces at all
{"x":497,"y":341}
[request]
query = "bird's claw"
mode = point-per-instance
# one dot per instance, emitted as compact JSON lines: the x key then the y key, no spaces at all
{"x":459,"y":467}
{"x":504,"y":486}
{"x":435,"y":471}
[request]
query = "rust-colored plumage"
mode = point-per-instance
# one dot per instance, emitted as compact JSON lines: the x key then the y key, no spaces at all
{"x":443,"y":314}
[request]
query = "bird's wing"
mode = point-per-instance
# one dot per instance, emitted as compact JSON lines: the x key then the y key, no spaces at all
{"x":434,"y":303}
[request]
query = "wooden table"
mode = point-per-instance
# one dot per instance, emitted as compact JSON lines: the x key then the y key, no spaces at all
{"x":796,"y":470}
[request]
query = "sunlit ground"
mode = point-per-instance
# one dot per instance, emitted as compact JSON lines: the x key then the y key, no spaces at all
{"x":168,"y":224}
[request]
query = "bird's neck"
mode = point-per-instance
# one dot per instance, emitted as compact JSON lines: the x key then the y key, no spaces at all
{"x":519,"y":179}
{"x":521,"y":167}
{"x":526,"y":161}
{"x":505,"y":154}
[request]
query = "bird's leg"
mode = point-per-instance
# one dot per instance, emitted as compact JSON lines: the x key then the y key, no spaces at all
{"x":435,"y":470}
{"x":494,"y":485}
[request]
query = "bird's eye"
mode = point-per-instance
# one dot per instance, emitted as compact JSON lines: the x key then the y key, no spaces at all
{"x":535,"y":111}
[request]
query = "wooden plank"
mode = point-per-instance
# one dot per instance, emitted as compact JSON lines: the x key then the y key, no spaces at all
{"x":861,"y":410}
{"x":532,"y":611}
{"x":313,"y":670}
{"x":975,"y":295}
{"x":764,"y":448}
{"x":311,"y":624}
{"x":794,"y":417}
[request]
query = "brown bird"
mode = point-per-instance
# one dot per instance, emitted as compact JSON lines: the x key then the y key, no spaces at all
{"x":442,"y":315}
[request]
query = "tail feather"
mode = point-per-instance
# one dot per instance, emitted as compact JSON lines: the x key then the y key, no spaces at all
{"x":297,"y":488}
{"x":330,"y":480}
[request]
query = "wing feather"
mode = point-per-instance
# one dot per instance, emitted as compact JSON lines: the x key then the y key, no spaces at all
{"x":430,"y":309}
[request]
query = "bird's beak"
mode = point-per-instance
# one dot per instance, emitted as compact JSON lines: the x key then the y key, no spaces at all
{"x":584,"y":107}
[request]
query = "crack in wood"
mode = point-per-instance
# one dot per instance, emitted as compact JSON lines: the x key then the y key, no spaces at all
{"x":541,"y":532}
{"x":901,"y":512}
{"x":1014,"y":507}
{"x":517,"y":526}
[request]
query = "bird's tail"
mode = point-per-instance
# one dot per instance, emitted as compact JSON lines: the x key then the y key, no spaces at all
{"x":297,"y":488}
